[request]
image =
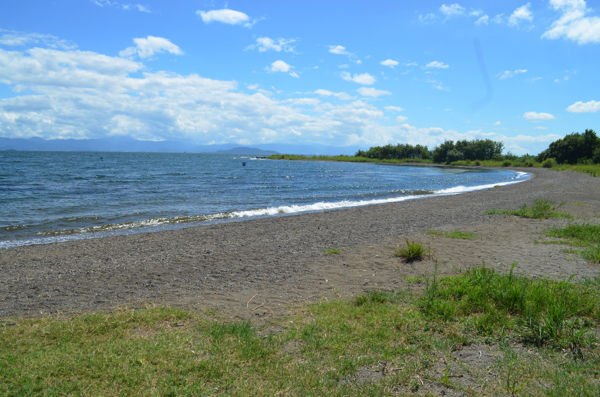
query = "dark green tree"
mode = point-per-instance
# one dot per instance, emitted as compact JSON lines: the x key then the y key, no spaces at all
{"x":573,"y":148}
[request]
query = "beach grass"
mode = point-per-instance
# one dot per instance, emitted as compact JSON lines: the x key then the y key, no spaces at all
{"x":414,"y":251}
{"x":377,"y":344}
{"x":576,"y":235}
{"x":332,"y":251}
{"x":540,"y":209}
{"x":453,"y":234}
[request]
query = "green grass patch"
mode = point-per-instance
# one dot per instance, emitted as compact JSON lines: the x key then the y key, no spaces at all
{"x":453,"y":234}
{"x":332,"y":252}
{"x":540,"y":209}
{"x":322,"y":349}
{"x":349,"y":159}
{"x":585,"y":235}
{"x":413,"y":251}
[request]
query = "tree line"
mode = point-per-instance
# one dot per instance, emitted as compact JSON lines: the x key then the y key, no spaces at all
{"x":575,"y":148}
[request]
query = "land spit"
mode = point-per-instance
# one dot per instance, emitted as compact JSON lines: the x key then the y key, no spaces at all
{"x":257,"y":268}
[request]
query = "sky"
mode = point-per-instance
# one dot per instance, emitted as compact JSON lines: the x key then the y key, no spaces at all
{"x":340,"y":73}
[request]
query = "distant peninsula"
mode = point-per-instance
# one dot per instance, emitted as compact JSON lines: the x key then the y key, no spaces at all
{"x":246,"y":150}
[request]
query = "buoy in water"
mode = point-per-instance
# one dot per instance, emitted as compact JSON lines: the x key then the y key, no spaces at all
{"x":243,"y":164}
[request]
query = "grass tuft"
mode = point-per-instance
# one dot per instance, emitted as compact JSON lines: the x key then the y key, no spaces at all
{"x":413,"y":251}
{"x":453,"y":234}
{"x":541,"y":209}
{"x":332,"y":252}
{"x":585,"y":235}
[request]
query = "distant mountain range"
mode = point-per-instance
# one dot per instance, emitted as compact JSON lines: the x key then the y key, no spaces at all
{"x":247,"y":150}
{"x":124,"y":144}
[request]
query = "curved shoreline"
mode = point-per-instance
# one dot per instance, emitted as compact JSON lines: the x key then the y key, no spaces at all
{"x":280,"y":258}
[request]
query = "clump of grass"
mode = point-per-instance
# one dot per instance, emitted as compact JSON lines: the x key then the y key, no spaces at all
{"x":544,"y":312}
{"x":586,"y":235}
{"x":332,"y":251}
{"x":453,"y":234}
{"x":413,"y":251}
{"x":540,"y":209}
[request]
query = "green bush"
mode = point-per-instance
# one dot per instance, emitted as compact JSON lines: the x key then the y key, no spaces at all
{"x":548,"y":163}
{"x":454,"y":155}
{"x":506,"y":163}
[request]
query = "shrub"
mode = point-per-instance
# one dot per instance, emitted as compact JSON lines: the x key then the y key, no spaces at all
{"x":506,"y":163}
{"x":478,"y":163}
{"x":548,"y":163}
{"x":596,"y":157}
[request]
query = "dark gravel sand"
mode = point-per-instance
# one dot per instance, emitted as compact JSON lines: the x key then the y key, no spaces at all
{"x":259,"y":267}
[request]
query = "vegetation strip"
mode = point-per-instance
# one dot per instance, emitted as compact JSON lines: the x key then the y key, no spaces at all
{"x":380,"y":343}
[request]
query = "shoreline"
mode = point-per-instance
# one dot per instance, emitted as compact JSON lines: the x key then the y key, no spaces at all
{"x":280,"y":259}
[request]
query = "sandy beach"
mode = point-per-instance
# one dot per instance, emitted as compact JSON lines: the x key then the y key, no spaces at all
{"x":256,"y":268}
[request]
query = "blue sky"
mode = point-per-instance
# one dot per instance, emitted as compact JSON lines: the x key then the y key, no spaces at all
{"x":335,"y":73}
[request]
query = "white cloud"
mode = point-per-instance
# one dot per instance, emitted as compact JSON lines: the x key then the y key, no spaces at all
{"x":389,"y":62}
{"x":340,"y":95}
{"x":573,"y":24}
{"x":252,"y":86}
{"x":452,"y":10}
{"x":15,"y":38}
{"x":429,"y":18}
{"x":436,"y":64}
{"x":265,"y":43}
{"x":497,"y":123}
{"x":411,"y":64}
{"x":372,"y":92}
{"x":303,"y":101}
{"x":358,"y":62}
{"x":149,"y":46}
{"x":364,"y":78}
{"x":344,"y":66}
{"x":230,"y":17}
{"x":138,"y":7}
{"x":584,"y":107}
{"x":281,"y":66}
{"x":484,"y":20}
{"x":393,"y":108}
{"x":522,"y":13}
{"x":538,"y":116}
{"x":338,"y":49}
{"x":540,"y":128}
{"x":498,"y":18}
{"x":401,"y":119}
{"x":508,"y":74}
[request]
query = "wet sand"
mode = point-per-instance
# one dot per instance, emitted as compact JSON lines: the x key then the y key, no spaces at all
{"x":258,"y":268}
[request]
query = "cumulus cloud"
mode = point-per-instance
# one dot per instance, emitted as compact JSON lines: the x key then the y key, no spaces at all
{"x":281,"y":66}
{"x":401,"y":119}
{"x":84,"y":94}
{"x":436,"y":64}
{"x":389,"y":62}
{"x":265,"y":44}
{"x":393,"y":108}
{"x":497,"y":123}
{"x":230,"y":17}
{"x":522,"y":13}
{"x":338,"y":49}
{"x":573,"y":24}
{"x":372,"y":92}
{"x":452,"y":10}
{"x":584,"y":107}
{"x":508,"y":74}
{"x":538,"y":116}
{"x":364,"y":78}
{"x":146,"y":47}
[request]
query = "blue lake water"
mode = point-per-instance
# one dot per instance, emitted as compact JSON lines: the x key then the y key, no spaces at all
{"x":57,"y":196}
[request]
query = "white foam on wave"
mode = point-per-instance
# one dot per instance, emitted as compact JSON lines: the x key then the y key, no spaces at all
{"x":295,"y":209}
